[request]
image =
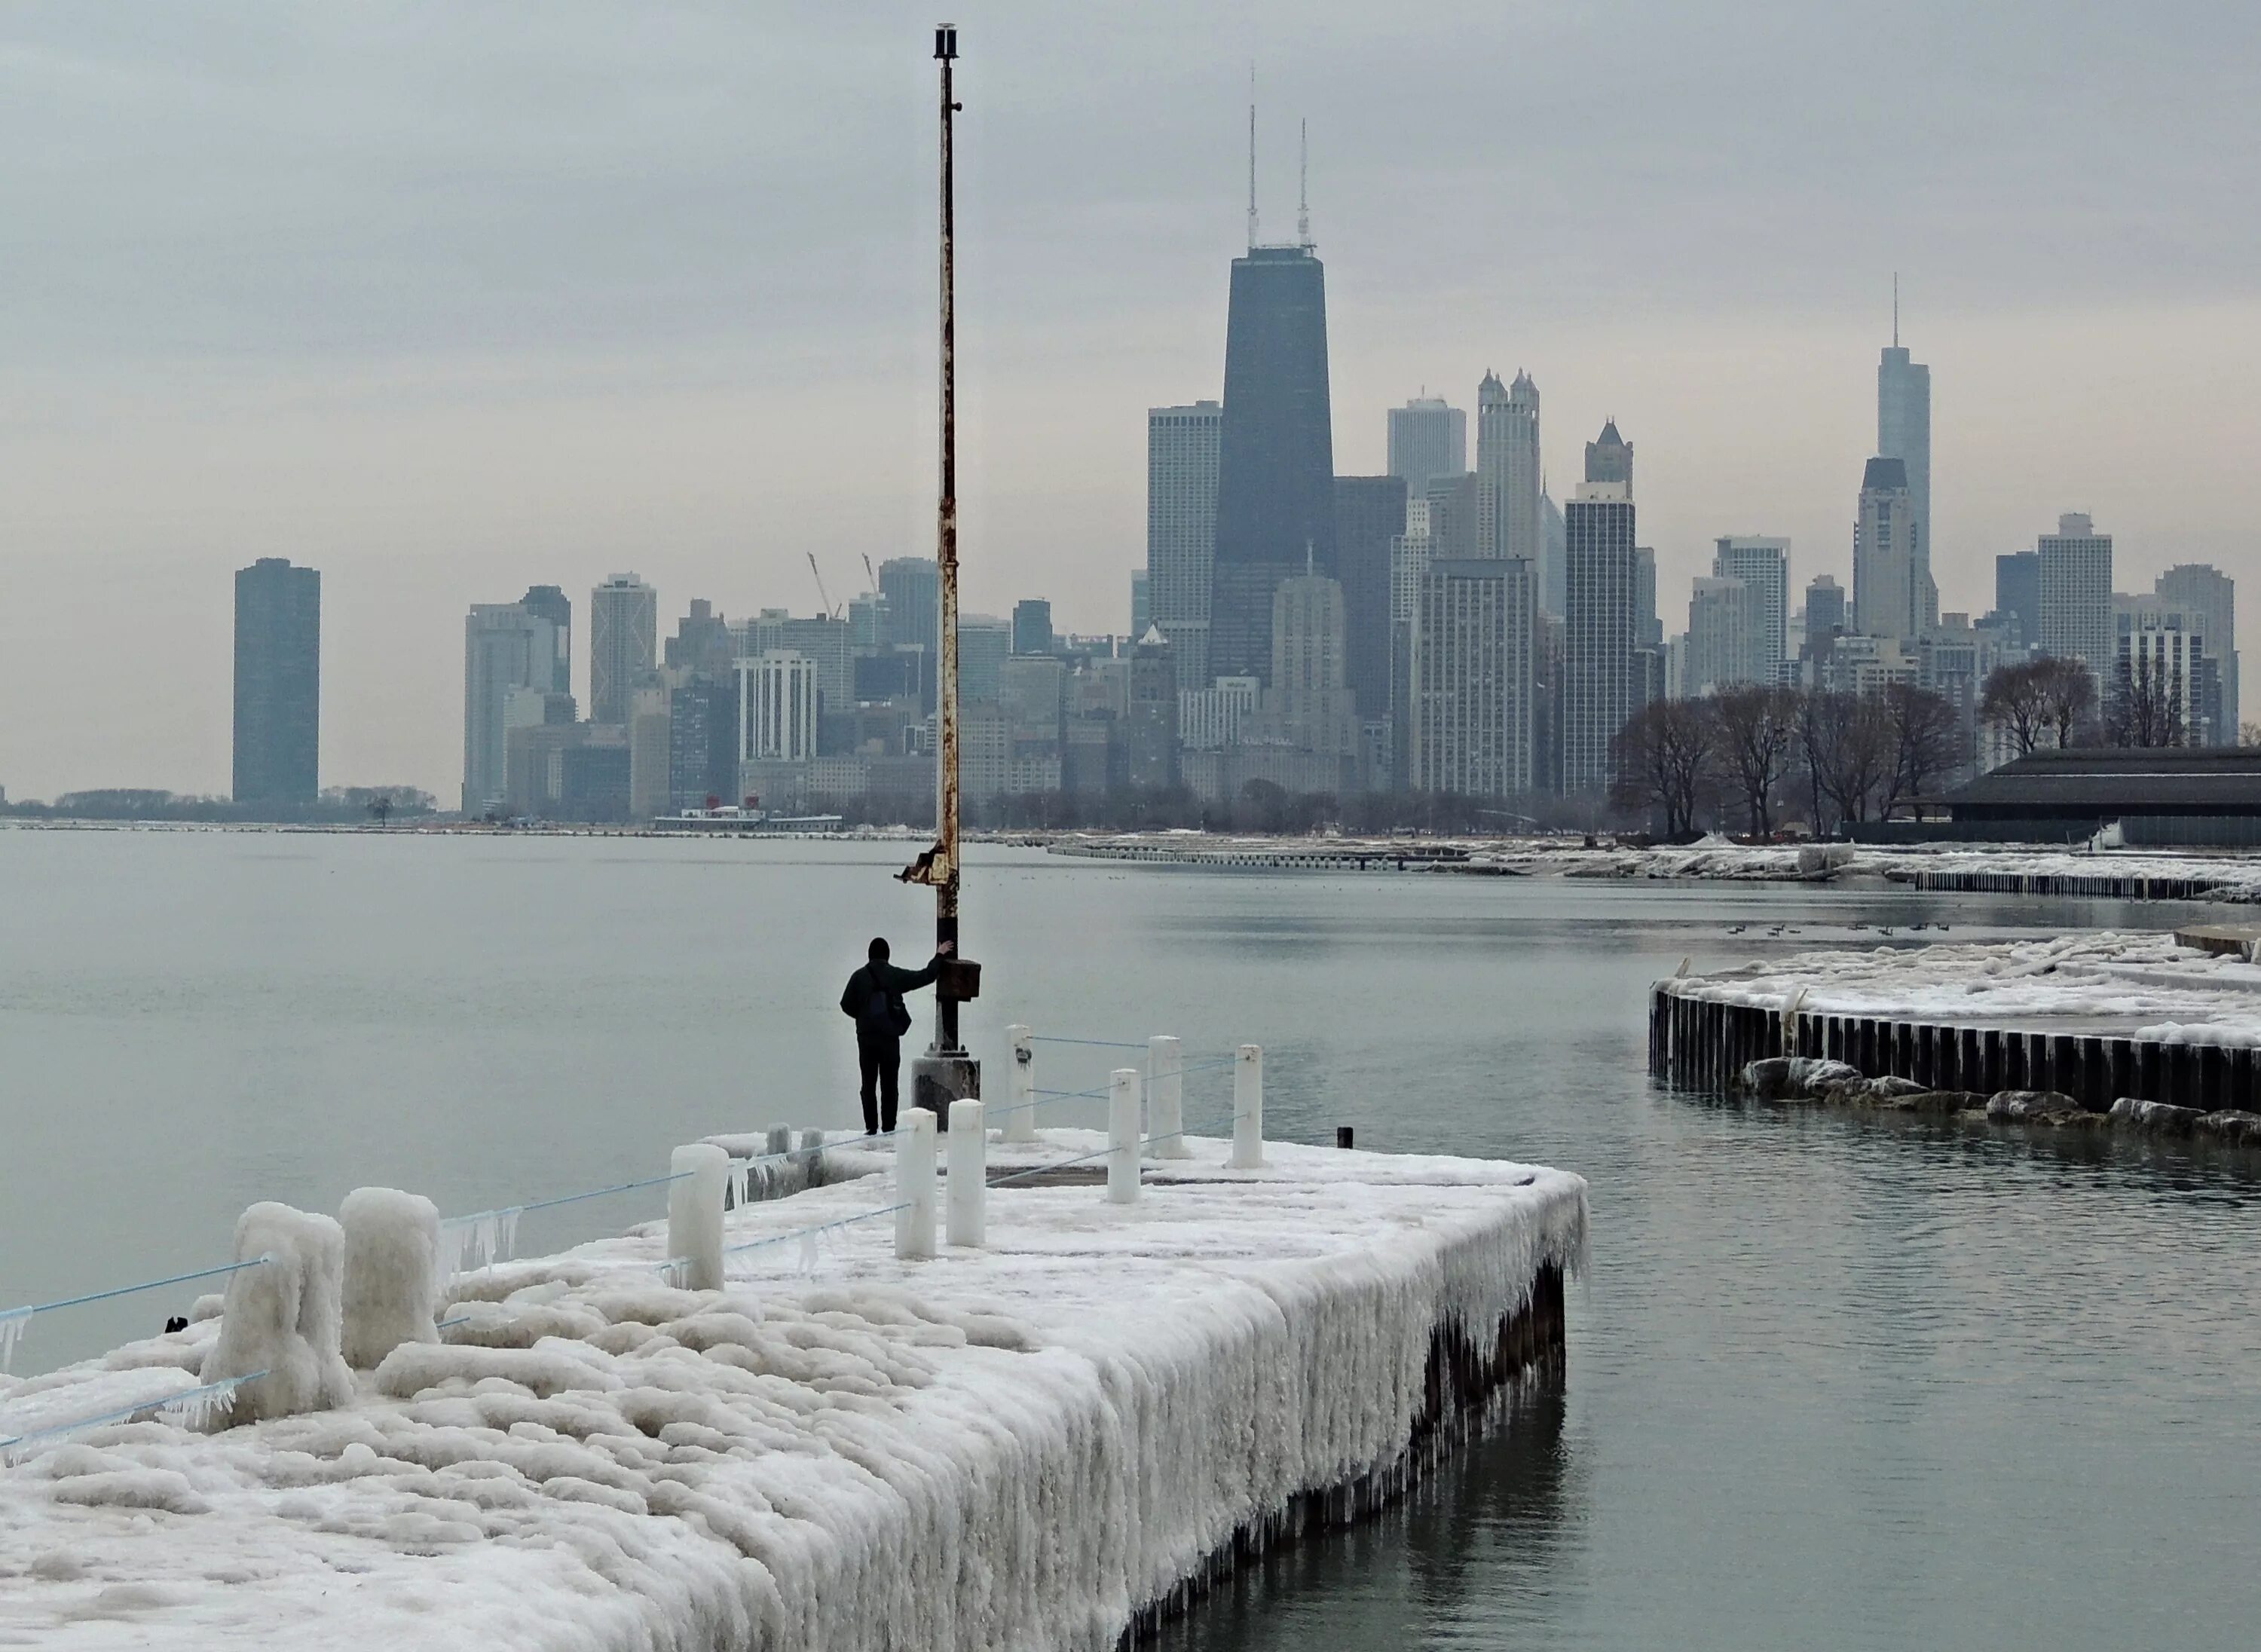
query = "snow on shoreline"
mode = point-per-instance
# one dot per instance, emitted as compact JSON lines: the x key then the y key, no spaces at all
{"x":1019,"y":1446}
{"x":2159,"y":989}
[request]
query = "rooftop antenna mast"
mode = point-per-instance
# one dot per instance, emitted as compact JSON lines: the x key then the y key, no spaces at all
{"x":1304,"y":185}
{"x":1252,"y":157}
{"x":1896,"y":309}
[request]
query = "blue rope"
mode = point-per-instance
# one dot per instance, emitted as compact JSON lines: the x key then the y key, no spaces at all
{"x":128,"y":1291}
{"x":1092,"y":1044}
{"x":130,"y":1411}
{"x":780,"y":1239}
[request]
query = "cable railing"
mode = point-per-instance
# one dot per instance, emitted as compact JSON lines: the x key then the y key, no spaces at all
{"x":198,"y":1406}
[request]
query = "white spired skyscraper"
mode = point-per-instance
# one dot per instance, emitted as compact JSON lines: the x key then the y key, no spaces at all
{"x":1509,"y":522}
{"x":1181,"y":447}
{"x":1892,"y":592}
{"x":1904,"y":424}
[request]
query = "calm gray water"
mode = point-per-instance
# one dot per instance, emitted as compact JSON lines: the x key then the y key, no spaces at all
{"x":1835,"y":1381}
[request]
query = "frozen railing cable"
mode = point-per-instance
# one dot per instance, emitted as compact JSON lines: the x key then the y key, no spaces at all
{"x":198,"y":1406}
{"x":13,"y":1320}
{"x":810,"y":1232}
{"x":1090,"y":1044}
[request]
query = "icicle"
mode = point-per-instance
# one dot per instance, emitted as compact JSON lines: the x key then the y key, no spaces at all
{"x":809,"y":1252}
{"x":195,"y":1410}
{"x":506,"y":1233}
{"x":12,"y":1321}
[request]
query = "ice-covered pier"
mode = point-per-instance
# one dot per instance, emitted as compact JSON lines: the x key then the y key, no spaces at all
{"x":1048,"y":1439}
{"x":2095,"y":1018}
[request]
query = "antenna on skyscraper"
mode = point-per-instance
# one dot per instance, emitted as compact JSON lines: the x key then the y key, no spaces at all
{"x":1252,"y":157}
{"x":1896,"y":309}
{"x":1303,"y":184}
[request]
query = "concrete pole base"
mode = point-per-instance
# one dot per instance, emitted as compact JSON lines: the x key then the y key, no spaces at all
{"x":938,"y":1080}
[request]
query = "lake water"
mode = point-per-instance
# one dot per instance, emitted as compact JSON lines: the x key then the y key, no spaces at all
{"x":1835,"y":1381}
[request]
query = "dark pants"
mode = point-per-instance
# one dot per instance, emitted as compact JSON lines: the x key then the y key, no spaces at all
{"x":880,"y":1059}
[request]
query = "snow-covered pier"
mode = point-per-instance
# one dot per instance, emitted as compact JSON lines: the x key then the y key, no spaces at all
{"x":1049,"y":1440}
{"x":2092,"y":1017}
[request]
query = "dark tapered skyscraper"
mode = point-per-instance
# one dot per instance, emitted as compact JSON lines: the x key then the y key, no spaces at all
{"x":278,"y":682}
{"x":1275,"y":452}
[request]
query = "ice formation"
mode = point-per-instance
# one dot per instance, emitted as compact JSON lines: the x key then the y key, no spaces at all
{"x":283,"y":1319}
{"x":481,"y":1240}
{"x":1022,"y":1446}
{"x":393,"y":1273}
{"x":13,"y":1322}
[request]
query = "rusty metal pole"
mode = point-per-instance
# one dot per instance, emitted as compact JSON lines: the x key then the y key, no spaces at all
{"x":946,"y":891}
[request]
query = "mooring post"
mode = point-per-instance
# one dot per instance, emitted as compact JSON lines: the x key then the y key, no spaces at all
{"x":969,"y":1172}
{"x":694,"y":1214}
{"x":1122,"y":1137}
{"x":1165,"y":1097}
{"x":915,"y":1186}
{"x":1248,"y":1109}
{"x":1020,"y":1086}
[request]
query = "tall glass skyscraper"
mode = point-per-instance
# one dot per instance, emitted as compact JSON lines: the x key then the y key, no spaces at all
{"x":1181,"y":530}
{"x":278,"y":682}
{"x":1275,"y":452}
{"x":1904,"y":429}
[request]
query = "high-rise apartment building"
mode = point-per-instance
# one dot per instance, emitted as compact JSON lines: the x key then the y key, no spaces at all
{"x":1763,"y":564}
{"x":1599,"y":626}
{"x":1551,"y":553}
{"x":824,"y":642}
{"x":550,"y":603}
{"x":1647,"y":626}
{"x":2075,"y":564}
{"x":1609,"y":458}
{"x":2162,"y":658}
{"x":1427,"y":437}
{"x":1892,"y":592}
{"x":2201,"y":589}
{"x":278,"y":682}
{"x":1473,"y":623}
{"x":1181,"y":452}
{"x":1727,"y":622}
{"x":1142,"y":604}
{"x":623,"y":644}
{"x":984,"y":641}
{"x":1275,"y":452}
{"x":1509,"y":521}
{"x":1032,"y":625}
{"x":702,"y":641}
{"x":1904,"y":431}
{"x":1825,"y":609}
{"x":1369,"y":519}
{"x":912,"y":586}
{"x":506,"y":648}
{"x":777,"y":708}
{"x":1309,"y":704}
{"x":2018,"y":591}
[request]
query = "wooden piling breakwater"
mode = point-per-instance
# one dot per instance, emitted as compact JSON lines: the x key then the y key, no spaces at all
{"x":2084,"y":885}
{"x":1703,"y":1043}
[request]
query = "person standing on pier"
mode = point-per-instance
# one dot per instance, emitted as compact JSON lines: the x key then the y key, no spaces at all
{"x":873,"y":999}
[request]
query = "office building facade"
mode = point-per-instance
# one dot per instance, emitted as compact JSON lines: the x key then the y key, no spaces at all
{"x":1763,"y":564}
{"x":1181,"y":455}
{"x":2075,"y":619}
{"x":623,"y":644}
{"x":1892,"y":592}
{"x":1904,"y":433}
{"x":1509,"y":521}
{"x":1475,"y":620}
{"x":1428,"y":437}
{"x":1600,"y":629}
{"x":278,"y":682}
{"x":1370,"y":514}
{"x":506,"y":648}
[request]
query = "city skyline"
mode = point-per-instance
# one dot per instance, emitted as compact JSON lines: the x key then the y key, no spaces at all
{"x":443,"y":445}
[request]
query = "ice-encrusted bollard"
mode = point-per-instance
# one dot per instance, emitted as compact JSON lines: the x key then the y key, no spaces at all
{"x":1122,"y":1137}
{"x":1248,"y":1109}
{"x":393,"y":1273}
{"x":1165,"y":1097}
{"x":282,"y":1317}
{"x":694,"y":1214}
{"x":915,"y":1186}
{"x":1020,"y":1086}
{"x":969,"y":1172}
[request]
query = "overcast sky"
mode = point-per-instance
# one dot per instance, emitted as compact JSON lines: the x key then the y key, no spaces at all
{"x":448,"y":297}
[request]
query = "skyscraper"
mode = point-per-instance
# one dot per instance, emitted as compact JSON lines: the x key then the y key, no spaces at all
{"x":913,"y":588}
{"x":1427,"y":437}
{"x":623,"y":644}
{"x":1598,"y":628}
{"x":278,"y":682}
{"x":1647,"y":626}
{"x":2206,"y":590}
{"x":1763,"y":564}
{"x":1032,"y":625}
{"x":1308,"y":704}
{"x":505,"y":649}
{"x":984,"y":643}
{"x":1275,"y":452}
{"x":1509,"y":521}
{"x":550,"y":603}
{"x":2076,"y":595}
{"x":1182,"y":449}
{"x":2018,"y":591}
{"x":1551,"y":550}
{"x":1892,"y":592}
{"x":1825,"y":609}
{"x":1609,"y":458}
{"x":1473,"y":623}
{"x":1369,"y":519}
{"x":1903,"y":425}
{"x":1726,"y":619}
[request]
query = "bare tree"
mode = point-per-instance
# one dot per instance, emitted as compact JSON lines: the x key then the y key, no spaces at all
{"x":2147,"y":704}
{"x":1758,"y":731}
{"x":1926,"y":740}
{"x":2013,"y":702}
{"x":2068,"y":697}
{"x":1849,"y":746}
{"x":1664,"y":757}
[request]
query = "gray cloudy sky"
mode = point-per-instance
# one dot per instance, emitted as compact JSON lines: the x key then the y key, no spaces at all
{"x":447,"y":298}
